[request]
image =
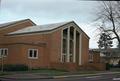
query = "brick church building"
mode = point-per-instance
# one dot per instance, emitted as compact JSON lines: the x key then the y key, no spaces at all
{"x":57,"y":45}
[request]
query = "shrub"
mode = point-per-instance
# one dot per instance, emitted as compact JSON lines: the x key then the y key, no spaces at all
{"x":51,"y":69}
{"x":108,"y":66}
{"x":15,"y":67}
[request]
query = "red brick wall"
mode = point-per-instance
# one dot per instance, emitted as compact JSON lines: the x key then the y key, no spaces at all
{"x":18,"y":54}
{"x":85,"y":49}
{"x":64,"y":66}
{"x":96,"y":57}
{"x":55,"y":46}
{"x":97,"y":66}
{"x":49,"y":53}
{"x":14,"y":54}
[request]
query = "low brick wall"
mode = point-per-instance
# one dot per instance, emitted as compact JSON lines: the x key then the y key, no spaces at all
{"x":97,"y":66}
{"x":64,"y":66}
{"x":75,"y":67}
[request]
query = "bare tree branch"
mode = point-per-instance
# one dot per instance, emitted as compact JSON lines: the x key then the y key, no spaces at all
{"x":110,"y":15}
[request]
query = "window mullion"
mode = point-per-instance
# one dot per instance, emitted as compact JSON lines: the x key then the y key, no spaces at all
{"x":32,"y":53}
{"x":0,"y":53}
{"x":3,"y":52}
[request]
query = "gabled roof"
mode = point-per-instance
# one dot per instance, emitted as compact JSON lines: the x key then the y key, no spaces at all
{"x":43,"y":28}
{"x":4,"y":25}
{"x":39,"y":28}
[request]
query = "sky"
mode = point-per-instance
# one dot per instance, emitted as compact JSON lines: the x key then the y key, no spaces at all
{"x":52,"y":11}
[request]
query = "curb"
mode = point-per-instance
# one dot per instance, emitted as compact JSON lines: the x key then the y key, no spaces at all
{"x":68,"y":76}
{"x":2,"y":78}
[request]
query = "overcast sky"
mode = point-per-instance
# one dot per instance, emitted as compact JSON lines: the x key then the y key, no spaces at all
{"x":52,"y":11}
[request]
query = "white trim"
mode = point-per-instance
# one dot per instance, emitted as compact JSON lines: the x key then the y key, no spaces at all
{"x":68,"y":45}
{"x":74,"y":47}
{"x":33,"y":53}
{"x":65,"y":27}
{"x":61,"y":46}
{"x":81,"y":31}
{"x":0,"y":53}
{"x":80,"y":49}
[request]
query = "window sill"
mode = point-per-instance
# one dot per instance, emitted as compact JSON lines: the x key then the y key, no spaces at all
{"x":3,"y":57}
{"x":32,"y":57}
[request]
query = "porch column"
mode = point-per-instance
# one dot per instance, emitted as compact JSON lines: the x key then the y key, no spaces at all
{"x":74,"y":46}
{"x":80,"y":48}
{"x":68,"y":45}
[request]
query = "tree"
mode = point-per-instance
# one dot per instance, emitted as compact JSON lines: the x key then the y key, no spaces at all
{"x":105,"y":41}
{"x":109,"y":15}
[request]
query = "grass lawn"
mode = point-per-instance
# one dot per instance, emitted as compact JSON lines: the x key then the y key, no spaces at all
{"x":115,"y":69}
{"x":50,"y":72}
{"x":4,"y":73}
{"x":46,"y":72}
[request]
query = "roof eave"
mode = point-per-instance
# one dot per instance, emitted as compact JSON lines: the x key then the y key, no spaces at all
{"x":18,"y":22}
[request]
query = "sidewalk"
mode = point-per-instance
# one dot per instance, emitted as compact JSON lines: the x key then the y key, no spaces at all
{"x":33,"y":76}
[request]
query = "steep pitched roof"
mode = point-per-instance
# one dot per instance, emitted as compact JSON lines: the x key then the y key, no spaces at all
{"x":4,"y":25}
{"x":39,"y":28}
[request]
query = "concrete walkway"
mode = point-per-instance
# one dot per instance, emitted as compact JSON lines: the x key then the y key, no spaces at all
{"x":32,"y":76}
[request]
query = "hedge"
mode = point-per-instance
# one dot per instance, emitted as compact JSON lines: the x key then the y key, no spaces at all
{"x":15,"y":67}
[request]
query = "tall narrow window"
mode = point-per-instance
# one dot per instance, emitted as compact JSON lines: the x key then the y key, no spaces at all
{"x":5,"y":52}
{"x":64,"y":46}
{"x":30,"y":53}
{"x":64,"y":56}
{"x":33,"y":53}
